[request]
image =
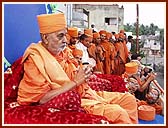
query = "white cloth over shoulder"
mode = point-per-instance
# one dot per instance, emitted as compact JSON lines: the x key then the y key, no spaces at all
{"x":128,"y":46}
{"x":85,"y":58}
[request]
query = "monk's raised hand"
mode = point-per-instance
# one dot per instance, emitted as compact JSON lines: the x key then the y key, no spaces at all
{"x":80,"y":76}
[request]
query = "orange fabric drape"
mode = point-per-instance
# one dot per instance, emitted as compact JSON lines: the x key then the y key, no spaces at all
{"x":110,"y":53}
{"x":120,"y":59}
{"x":108,"y":104}
{"x":125,"y":49}
{"x":120,"y":48}
{"x":92,"y":51}
{"x":39,"y":63}
{"x":113,"y":55}
{"x":51,"y":72}
{"x":156,"y":106}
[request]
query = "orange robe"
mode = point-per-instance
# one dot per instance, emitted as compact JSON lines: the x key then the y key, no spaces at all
{"x":97,"y":53}
{"x":44,"y":72}
{"x":108,"y":54}
{"x":156,"y":106}
{"x":72,"y":47}
{"x":117,"y":107}
{"x":113,"y":55}
{"x":120,"y":59}
{"x":126,"y":50}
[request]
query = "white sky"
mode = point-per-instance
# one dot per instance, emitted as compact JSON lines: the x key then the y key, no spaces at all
{"x":149,"y":12}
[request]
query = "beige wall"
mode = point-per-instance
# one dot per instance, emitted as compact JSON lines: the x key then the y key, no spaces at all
{"x":97,"y":14}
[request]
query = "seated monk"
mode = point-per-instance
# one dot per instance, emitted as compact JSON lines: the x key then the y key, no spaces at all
{"x":151,"y":99}
{"x":132,"y":71}
{"x":49,"y":69}
{"x":151,"y":96}
{"x":101,"y":82}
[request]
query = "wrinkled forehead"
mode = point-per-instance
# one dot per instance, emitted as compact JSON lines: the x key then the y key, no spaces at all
{"x":78,"y":56}
{"x":61,"y":31}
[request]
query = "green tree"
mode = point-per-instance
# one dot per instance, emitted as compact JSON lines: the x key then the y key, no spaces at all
{"x":144,"y":30}
{"x":141,"y":29}
{"x":161,"y":38}
{"x":152,"y":29}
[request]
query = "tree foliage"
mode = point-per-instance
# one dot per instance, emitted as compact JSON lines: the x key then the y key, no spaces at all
{"x":146,"y":30}
{"x":143,"y":30}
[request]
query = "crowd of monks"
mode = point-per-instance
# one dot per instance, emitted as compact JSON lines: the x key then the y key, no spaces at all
{"x":51,"y":72}
{"x":109,"y":51}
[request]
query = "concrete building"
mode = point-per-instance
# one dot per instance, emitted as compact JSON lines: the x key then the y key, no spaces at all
{"x":108,"y":17}
{"x":105,"y":16}
{"x":152,"y":44}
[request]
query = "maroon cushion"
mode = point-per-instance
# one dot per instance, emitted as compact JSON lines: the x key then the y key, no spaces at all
{"x":99,"y":84}
{"x":11,"y":81}
{"x":42,"y":115}
{"x":117,"y":82}
{"x":66,"y":101}
{"x":68,"y":104}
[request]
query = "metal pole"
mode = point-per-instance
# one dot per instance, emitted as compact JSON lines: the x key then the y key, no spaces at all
{"x":146,"y":55}
{"x":154,"y":66}
{"x":137,"y":29}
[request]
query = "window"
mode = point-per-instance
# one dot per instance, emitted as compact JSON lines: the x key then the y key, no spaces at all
{"x":107,"y":21}
{"x":110,"y":21}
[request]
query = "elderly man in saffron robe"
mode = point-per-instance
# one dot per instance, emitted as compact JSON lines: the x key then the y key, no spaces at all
{"x":48,"y":70}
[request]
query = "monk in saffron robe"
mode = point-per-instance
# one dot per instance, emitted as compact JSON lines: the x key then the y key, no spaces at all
{"x":120,"y":59}
{"x":48,"y":70}
{"x":134,"y":83}
{"x":73,"y":33}
{"x":121,"y":35}
{"x":113,"y":50}
{"x":108,"y":52}
{"x":97,"y":52}
{"x":77,"y":53}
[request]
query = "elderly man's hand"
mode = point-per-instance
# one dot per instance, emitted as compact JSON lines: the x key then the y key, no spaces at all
{"x":83,"y":74}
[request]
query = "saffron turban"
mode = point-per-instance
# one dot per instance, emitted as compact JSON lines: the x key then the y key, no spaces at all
{"x":121,"y":35}
{"x":73,"y":32}
{"x":88,"y":32}
{"x":146,"y":112}
{"x":122,"y":31}
{"x":49,"y":23}
{"x":102,"y":32}
{"x":108,"y":35}
{"x":77,"y":52}
{"x":96,"y":35}
{"x":116,"y":36}
{"x":131,"y":68}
